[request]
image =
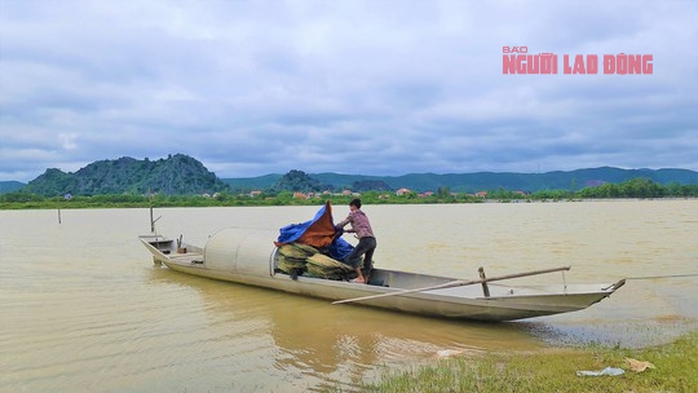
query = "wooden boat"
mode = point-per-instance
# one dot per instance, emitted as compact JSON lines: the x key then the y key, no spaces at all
{"x":250,"y":257}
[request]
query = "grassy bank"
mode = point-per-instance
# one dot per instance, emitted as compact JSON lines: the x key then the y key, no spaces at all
{"x":554,"y":370}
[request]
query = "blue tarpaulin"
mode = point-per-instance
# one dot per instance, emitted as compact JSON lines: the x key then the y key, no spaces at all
{"x":319,"y":233}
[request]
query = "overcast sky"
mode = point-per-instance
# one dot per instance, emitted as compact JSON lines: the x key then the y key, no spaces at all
{"x":375,"y":87}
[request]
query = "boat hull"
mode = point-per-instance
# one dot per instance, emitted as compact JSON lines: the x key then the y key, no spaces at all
{"x":505,"y":303}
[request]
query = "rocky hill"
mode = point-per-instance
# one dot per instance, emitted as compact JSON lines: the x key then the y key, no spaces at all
{"x":174,"y":175}
{"x":296,"y":180}
{"x":180,"y":174}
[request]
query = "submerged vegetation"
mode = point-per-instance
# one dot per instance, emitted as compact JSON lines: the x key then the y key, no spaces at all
{"x":554,"y":370}
{"x":634,"y":188}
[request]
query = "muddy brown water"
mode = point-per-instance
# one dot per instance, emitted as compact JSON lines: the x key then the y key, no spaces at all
{"x":84,"y":309}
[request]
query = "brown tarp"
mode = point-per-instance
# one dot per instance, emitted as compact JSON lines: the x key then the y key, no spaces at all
{"x":320,"y":233}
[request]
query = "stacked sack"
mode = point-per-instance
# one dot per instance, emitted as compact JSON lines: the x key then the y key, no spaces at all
{"x":296,"y":259}
{"x":320,"y":265}
{"x":293,"y":255}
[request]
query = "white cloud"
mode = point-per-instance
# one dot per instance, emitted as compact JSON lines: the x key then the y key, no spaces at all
{"x":367,"y":87}
{"x":68,"y":141}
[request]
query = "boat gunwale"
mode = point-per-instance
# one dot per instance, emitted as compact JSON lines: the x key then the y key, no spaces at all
{"x":508,"y":304}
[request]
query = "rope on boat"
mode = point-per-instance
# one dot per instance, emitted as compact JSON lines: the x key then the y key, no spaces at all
{"x":667,"y":276}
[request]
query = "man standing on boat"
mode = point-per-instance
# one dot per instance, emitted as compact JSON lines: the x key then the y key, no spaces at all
{"x":367,"y":241}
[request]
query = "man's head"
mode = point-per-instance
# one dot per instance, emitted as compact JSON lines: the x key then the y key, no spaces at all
{"x":355,"y":203}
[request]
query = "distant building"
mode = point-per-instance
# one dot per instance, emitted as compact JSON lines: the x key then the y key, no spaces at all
{"x":481,"y":194}
{"x":299,"y":195}
{"x":255,"y":193}
{"x":402,"y":191}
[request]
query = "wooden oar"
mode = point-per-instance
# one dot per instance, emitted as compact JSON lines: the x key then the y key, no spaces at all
{"x":456,"y":283}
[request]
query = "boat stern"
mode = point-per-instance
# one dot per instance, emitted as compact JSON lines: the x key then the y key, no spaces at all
{"x":159,"y":246}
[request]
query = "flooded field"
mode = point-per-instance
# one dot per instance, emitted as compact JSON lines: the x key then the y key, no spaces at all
{"x":84,"y":309}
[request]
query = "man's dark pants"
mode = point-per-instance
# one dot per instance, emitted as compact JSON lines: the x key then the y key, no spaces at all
{"x":366,"y":247}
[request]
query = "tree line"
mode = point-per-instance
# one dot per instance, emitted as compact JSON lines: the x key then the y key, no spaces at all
{"x":634,"y":188}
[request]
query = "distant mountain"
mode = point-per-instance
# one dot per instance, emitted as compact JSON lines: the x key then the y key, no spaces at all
{"x":296,"y":180}
{"x":246,"y":184}
{"x":473,"y":182}
{"x":183,"y":175}
{"x":175,"y":175}
{"x":10,"y":186}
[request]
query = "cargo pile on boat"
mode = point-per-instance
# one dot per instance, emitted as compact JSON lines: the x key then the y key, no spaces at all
{"x":302,"y":259}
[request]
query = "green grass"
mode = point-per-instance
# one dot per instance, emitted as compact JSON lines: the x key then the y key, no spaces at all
{"x":554,"y":370}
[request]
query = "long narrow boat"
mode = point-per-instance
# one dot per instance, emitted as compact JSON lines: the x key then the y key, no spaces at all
{"x":250,"y":257}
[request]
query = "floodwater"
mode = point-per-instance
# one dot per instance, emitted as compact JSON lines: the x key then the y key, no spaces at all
{"x":84,"y":309}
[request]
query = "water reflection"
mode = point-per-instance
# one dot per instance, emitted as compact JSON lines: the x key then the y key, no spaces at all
{"x":317,"y":345}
